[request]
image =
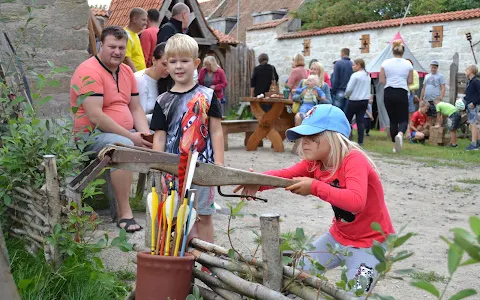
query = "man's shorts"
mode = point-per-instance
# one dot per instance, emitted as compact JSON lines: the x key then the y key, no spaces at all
{"x":453,"y":121}
{"x":432,"y":111}
{"x":205,"y":200}
{"x":102,"y":139}
{"x":473,"y":116}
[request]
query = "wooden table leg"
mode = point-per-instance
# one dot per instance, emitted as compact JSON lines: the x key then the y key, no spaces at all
{"x":265,"y":126}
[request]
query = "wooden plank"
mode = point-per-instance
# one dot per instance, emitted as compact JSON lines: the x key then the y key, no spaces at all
{"x":202,"y":23}
{"x":164,"y":9}
{"x":267,"y":100}
{"x":452,"y":96}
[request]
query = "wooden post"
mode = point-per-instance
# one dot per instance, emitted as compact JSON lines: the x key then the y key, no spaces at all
{"x":271,"y":255}
{"x":7,"y":285}
{"x":452,"y":94}
{"x":54,"y":204}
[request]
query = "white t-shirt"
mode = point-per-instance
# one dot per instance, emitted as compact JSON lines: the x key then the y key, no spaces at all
{"x":396,"y":71}
{"x":148,"y":92}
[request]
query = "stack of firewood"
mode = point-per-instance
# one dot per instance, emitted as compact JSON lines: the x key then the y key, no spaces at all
{"x":244,"y":276}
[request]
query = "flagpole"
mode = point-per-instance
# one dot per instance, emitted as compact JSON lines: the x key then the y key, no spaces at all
{"x":404,"y":16}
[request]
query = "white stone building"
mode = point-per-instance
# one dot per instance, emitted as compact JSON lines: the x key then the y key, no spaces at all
{"x":325,"y":44}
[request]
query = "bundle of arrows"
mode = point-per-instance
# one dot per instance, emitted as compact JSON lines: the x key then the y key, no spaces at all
{"x":163,"y":212}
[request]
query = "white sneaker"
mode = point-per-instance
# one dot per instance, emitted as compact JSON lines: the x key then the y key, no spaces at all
{"x":394,"y":151}
{"x":398,"y":143}
{"x":217,"y":207}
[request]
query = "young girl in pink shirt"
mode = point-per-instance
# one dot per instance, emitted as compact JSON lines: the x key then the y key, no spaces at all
{"x":337,"y":171}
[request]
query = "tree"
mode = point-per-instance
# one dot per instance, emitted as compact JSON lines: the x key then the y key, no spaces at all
{"x":326,"y":13}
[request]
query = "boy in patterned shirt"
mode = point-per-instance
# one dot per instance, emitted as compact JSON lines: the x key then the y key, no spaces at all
{"x":189,"y":114}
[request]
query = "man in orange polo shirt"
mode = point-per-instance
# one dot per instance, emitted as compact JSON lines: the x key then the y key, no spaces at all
{"x":112,"y":110}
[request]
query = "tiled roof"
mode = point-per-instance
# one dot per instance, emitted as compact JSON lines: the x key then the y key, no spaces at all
{"x":99,"y":12}
{"x":208,"y":6}
{"x":224,"y":38}
{"x":120,"y":9}
{"x":270,"y":24}
{"x":433,"y":18}
{"x":248,"y":7}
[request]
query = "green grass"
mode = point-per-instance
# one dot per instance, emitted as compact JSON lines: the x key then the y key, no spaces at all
{"x":469,"y":180}
{"x":378,"y":142}
{"x":78,"y":280}
{"x":125,"y":275}
{"x":458,"y":189}
{"x":431,"y":276}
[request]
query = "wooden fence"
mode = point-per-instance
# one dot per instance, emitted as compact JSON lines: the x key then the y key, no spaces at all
{"x":239,"y":65}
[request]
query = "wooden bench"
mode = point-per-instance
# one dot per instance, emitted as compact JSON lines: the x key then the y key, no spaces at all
{"x":238,"y":126}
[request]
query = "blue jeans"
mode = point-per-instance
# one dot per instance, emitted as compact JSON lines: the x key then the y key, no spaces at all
{"x":339,"y":100}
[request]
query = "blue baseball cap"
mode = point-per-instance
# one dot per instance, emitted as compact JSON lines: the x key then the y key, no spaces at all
{"x":320,"y":118}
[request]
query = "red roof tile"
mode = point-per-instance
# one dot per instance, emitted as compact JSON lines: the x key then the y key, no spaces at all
{"x":269,"y":24}
{"x":99,"y":12}
{"x":120,"y":9}
{"x":444,"y":17}
{"x":208,"y":6}
{"x":248,"y":7}
{"x":224,"y":38}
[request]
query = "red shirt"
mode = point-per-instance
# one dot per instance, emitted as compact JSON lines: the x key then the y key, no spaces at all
{"x":419,"y":119}
{"x":148,"y":39}
{"x":355,"y":188}
{"x":92,"y":76}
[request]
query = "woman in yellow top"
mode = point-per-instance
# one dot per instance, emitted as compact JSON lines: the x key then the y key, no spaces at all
{"x":412,"y":89}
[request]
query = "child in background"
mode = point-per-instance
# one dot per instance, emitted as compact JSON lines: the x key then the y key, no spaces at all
{"x":472,"y":102}
{"x":418,"y":124}
{"x":311,"y":94}
{"x":368,"y":116}
{"x":453,"y":119}
{"x":189,"y":114}
{"x":337,"y":171}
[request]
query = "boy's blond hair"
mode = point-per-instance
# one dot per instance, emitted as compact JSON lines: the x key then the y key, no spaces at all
{"x":183,"y":45}
{"x":315,"y":79}
{"x":422,"y":103}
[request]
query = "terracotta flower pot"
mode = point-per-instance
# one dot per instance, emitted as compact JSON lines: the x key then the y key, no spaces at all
{"x":163,"y":277}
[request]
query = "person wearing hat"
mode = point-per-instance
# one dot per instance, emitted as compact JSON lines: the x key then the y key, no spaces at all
{"x":433,"y":88}
{"x":337,"y":171}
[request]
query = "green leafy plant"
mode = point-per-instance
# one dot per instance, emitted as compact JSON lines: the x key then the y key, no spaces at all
{"x":462,"y":244}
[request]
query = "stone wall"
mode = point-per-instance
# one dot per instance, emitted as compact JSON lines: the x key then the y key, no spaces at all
{"x":326,"y":48}
{"x":57,"y":33}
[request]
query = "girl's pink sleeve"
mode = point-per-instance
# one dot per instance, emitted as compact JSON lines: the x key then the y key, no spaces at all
{"x":353,"y":197}
{"x":297,"y":170}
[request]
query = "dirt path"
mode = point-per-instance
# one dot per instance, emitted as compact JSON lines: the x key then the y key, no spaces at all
{"x":426,"y":199}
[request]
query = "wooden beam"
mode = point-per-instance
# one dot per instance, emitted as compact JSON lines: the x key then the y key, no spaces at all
{"x":202,"y":23}
{"x":205,"y":41}
{"x":217,"y":9}
{"x":164,"y":10}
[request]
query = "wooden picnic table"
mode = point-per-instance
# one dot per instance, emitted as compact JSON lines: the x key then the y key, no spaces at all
{"x":267,"y":121}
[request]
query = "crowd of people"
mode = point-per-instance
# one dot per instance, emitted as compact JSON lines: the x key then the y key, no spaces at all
{"x":147,"y":85}
{"x":412,"y":111}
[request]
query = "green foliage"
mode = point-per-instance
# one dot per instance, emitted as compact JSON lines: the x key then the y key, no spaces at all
{"x":195,"y":294}
{"x":77,"y":278}
{"x":326,"y":13}
{"x":28,"y":138}
{"x":232,"y":113}
{"x":469,"y":181}
{"x":428,"y":276}
{"x":464,"y":243}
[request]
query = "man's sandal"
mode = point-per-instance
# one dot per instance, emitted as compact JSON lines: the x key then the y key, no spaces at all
{"x":128,"y":223}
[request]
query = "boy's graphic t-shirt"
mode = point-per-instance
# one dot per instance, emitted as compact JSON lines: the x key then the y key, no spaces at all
{"x":433,"y":84}
{"x":185,"y":118}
